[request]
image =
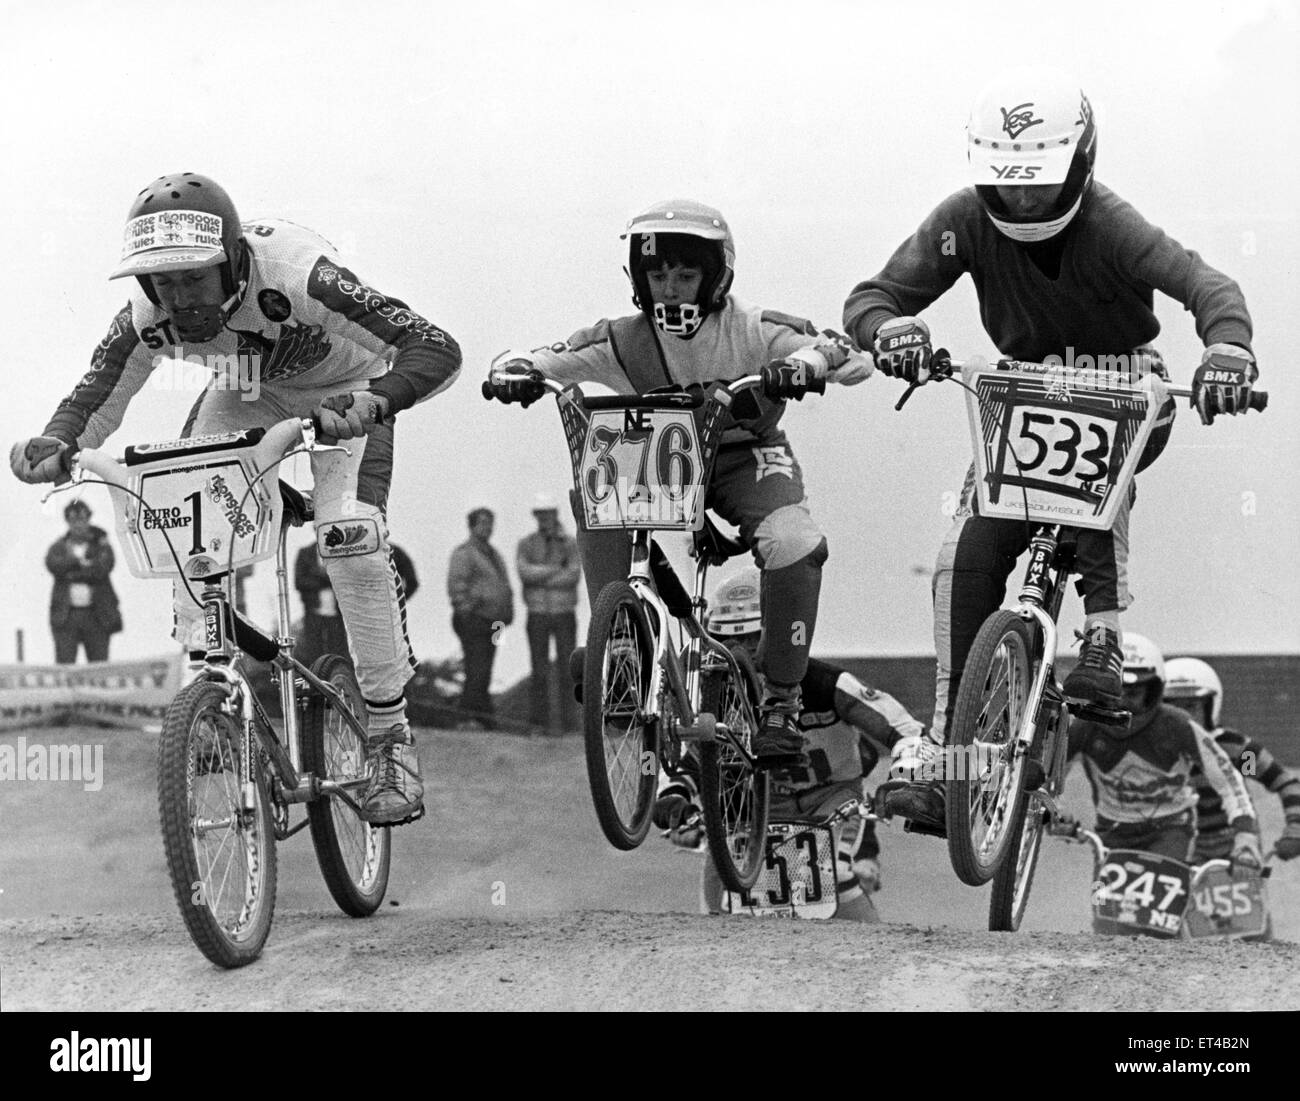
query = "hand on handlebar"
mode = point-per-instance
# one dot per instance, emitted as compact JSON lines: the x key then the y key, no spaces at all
{"x":903,"y":350}
{"x":39,"y":459}
{"x":348,"y":416}
{"x":1246,"y":850}
{"x":1288,"y":845}
{"x":1222,"y":383}
{"x":524,"y":390}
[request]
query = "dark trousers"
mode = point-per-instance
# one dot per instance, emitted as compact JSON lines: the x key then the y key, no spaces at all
{"x":82,"y":628}
{"x":542,"y":627}
{"x":478,"y":644}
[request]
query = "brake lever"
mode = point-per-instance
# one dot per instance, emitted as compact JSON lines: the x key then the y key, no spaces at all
{"x":939,"y":370}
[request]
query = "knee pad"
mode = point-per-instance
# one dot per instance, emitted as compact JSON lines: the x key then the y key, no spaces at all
{"x":354,"y":551}
{"x":788,"y":535}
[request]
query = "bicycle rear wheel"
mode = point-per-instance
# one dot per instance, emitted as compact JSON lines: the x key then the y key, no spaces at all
{"x":1012,"y":881}
{"x":221,"y":859}
{"x":983,"y":781}
{"x":353,"y":855}
{"x":622,"y":763}
{"x":734,"y":794}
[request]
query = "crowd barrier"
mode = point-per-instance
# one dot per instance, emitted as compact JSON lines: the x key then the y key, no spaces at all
{"x":132,"y":694}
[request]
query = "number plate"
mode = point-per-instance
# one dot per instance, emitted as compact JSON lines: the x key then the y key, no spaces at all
{"x":642,"y":468}
{"x":1227,"y":903}
{"x":1056,"y":449}
{"x":797,"y":878}
{"x":1140,"y":892}
{"x":194,"y":511}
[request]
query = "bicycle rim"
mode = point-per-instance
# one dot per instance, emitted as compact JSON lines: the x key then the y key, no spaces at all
{"x":1012,"y":883}
{"x":221,"y":859}
{"x":983,"y":790}
{"x":735,"y":796}
{"x":354,"y":856}
{"x":622,"y":764}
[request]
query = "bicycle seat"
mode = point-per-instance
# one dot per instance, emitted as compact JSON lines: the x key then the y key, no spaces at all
{"x":714,"y":547}
{"x":299,"y":508}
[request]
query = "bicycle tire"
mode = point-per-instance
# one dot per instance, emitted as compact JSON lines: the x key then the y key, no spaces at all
{"x":735,"y":796}
{"x":1014,"y":880}
{"x":972,"y":808}
{"x":622,"y":761}
{"x":198,"y":790}
{"x":354,"y":856}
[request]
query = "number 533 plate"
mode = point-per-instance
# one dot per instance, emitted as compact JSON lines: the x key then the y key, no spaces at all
{"x":1053,"y":450}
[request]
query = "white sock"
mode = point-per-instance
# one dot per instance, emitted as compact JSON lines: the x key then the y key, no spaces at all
{"x":384,"y":718}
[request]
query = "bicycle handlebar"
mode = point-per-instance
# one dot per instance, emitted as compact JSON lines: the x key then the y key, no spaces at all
{"x":685,"y":399}
{"x":943,"y":366}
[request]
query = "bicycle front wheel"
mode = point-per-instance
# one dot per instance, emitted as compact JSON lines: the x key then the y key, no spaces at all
{"x":353,"y":855}
{"x":1012,"y":881}
{"x":622,"y":763}
{"x":734,"y":794}
{"x":983,"y":774}
{"x":220,"y":857}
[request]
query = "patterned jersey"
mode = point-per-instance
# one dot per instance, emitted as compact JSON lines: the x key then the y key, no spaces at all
{"x":1100,"y":302}
{"x":1213,"y":832}
{"x":305,"y":321}
{"x":630,"y":356}
{"x":846,"y":724}
{"x":1149,"y":773}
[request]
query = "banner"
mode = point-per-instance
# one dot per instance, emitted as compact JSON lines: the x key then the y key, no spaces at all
{"x":116,"y":693}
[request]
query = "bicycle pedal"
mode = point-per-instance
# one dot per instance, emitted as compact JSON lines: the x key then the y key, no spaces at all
{"x":911,"y":825}
{"x":1100,"y":713}
{"x":777,"y":762}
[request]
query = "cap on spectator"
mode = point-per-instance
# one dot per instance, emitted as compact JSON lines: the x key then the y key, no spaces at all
{"x":544,"y":502}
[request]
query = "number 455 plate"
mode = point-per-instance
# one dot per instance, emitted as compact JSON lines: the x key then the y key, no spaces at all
{"x":1054,"y":445}
{"x":1227,"y":902}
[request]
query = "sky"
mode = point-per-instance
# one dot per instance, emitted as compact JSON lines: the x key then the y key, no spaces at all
{"x":479,"y":162}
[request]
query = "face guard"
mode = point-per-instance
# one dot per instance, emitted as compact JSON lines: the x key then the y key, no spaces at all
{"x":682,"y":320}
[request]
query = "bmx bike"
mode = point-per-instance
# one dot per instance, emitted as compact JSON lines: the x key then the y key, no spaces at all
{"x":194,"y":510}
{"x":1056,"y":447}
{"x":652,"y":701}
{"x":1138,"y":893}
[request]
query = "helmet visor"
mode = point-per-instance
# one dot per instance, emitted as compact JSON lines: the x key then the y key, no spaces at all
{"x":171,"y":240}
{"x":1019,"y":164}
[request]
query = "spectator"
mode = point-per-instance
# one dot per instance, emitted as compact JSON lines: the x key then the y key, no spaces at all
{"x":83,"y":605}
{"x":481,"y":605}
{"x":322,"y":625}
{"x":549,"y":572}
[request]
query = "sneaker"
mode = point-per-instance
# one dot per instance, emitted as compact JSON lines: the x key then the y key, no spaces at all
{"x":395,"y":794}
{"x":677,"y":813}
{"x":922,"y":804}
{"x":779,"y":741}
{"x":577,"y":661}
{"x":912,"y":757}
{"x":867,"y":872}
{"x":1098,"y":678}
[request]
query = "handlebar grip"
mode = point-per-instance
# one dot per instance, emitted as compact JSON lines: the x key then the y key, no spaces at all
{"x":488,"y":392}
{"x":1258,"y":400}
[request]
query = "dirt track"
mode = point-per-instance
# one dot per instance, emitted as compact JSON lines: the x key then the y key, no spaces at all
{"x":87,"y":919}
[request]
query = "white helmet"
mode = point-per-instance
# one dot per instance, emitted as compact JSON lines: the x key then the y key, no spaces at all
{"x":544,"y":502}
{"x":1193,"y":679}
{"x":735,"y":606}
{"x":680,"y":231}
{"x":1032,"y":127}
{"x":1142,"y":659}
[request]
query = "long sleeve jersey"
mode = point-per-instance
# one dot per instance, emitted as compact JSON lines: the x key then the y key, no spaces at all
{"x":304,"y":321}
{"x":1149,"y":773}
{"x":1255,"y":761}
{"x":631,"y":357}
{"x":1100,"y":303}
